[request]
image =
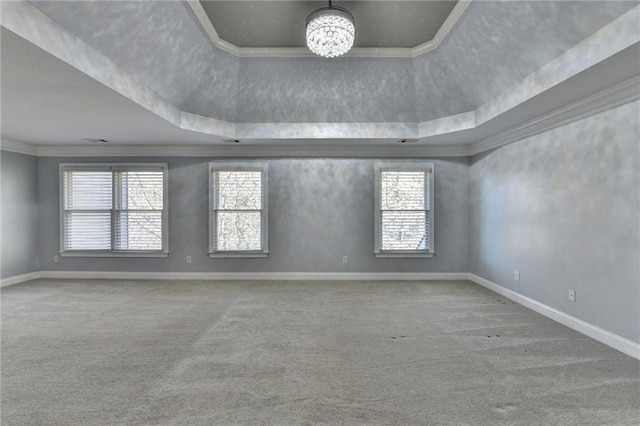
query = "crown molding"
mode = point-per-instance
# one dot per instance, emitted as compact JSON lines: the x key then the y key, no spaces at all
{"x":252,"y":151}
{"x":620,"y":94}
{"x":453,"y":18}
{"x":18,"y":147}
{"x":34,"y":26}
{"x":614,"y":96}
{"x":201,"y":17}
{"x":608,"y":41}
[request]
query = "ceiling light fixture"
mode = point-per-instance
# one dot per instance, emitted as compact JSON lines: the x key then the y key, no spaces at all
{"x":330,"y":31}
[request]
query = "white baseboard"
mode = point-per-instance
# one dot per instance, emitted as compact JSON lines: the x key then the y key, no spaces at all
{"x":619,"y":343}
{"x":17,"y":279}
{"x":610,"y":339}
{"x":255,"y":276}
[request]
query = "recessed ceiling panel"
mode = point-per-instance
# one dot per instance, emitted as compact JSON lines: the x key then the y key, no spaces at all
{"x":381,"y":24}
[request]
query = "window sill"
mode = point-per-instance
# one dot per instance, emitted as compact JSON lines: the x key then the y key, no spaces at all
{"x":114,"y":254}
{"x":237,"y":255}
{"x":404,"y":255}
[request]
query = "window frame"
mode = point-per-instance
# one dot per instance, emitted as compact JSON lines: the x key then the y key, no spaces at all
{"x":426,"y":167}
{"x":249,"y":166}
{"x":115,"y":167}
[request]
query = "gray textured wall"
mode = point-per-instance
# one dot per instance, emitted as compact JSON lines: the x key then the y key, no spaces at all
{"x":319,"y":210}
{"x":19,"y":223}
{"x":562,"y":208}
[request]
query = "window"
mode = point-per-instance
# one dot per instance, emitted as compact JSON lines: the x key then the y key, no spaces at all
{"x":113,"y":210}
{"x":404,"y":210}
{"x":238,"y":213}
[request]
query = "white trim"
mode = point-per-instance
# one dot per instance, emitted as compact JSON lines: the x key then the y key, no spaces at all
{"x":448,"y":24}
{"x":398,"y":255}
{"x":114,"y":168}
{"x":113,"y":254}
{"x":239,"y":255}
{"x":201,"y":17}
{"x":253,"y":166}
{"x":241,"y":150}
{"x":257,"y":276}
{"x":610,"y":339}
{"x":603,"y":44}
{"x":18,"y":147}
{"x":29,"y":23}
{"x":17,"y":279}
{"x":428,"y":168}
{"x":614,"y":96}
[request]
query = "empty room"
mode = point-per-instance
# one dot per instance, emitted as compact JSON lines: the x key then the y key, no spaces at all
{"x":320,"y":212}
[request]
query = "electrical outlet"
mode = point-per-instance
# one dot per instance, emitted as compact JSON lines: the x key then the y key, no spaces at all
{"x":516,"y":275}
{"x":572,"y":295}
{"x":189,"y":259}
{"x":56,"y":259}
{"x":345,"y":259}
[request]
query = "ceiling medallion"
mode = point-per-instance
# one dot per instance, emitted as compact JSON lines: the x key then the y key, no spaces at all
{"x":330,"y":31}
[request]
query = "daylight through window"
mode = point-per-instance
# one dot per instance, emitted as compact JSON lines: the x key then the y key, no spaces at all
{"x":238,"y":219}
{"x":113,"y":208}
{"x":404,"y":216}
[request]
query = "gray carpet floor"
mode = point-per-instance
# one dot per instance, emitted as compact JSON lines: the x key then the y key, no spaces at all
{"x":100,"y":352}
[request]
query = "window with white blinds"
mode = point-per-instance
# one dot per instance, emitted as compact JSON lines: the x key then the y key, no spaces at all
{"x":404,"y":210}
{"x":113,"y":209}
{"x":238,"y":213}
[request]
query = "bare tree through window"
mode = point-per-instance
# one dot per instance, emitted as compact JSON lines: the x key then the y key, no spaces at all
{"x":113,"y":209}
{"x":404,"y":216}
{"x":139,"y":210}
{"x":238,"y":210}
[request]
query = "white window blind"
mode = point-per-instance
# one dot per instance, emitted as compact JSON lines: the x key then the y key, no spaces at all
{"x":238,"y":218}
{"x":113,"y":208}
{"x":87,"y":210}
{"x":404,"y":217}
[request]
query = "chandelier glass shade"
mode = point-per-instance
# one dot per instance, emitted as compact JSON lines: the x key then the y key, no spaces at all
{"x":330,"y":31}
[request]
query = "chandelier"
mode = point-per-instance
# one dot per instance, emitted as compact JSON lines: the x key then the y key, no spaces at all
{"x":330,"y":31}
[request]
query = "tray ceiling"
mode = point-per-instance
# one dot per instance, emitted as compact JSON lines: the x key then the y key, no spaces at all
{"x":281,"y":24}
{"x":145,"y":73}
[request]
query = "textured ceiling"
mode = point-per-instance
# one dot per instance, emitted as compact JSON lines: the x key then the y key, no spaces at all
{"x":69,"y":106}
{"x":282,"y":23}
{"x":493,"y":46}
{"x":497,"y":57}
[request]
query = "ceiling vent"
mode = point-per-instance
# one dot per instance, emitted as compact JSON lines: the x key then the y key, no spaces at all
{"x":96,"y":140}
{"x":408,"y":140}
